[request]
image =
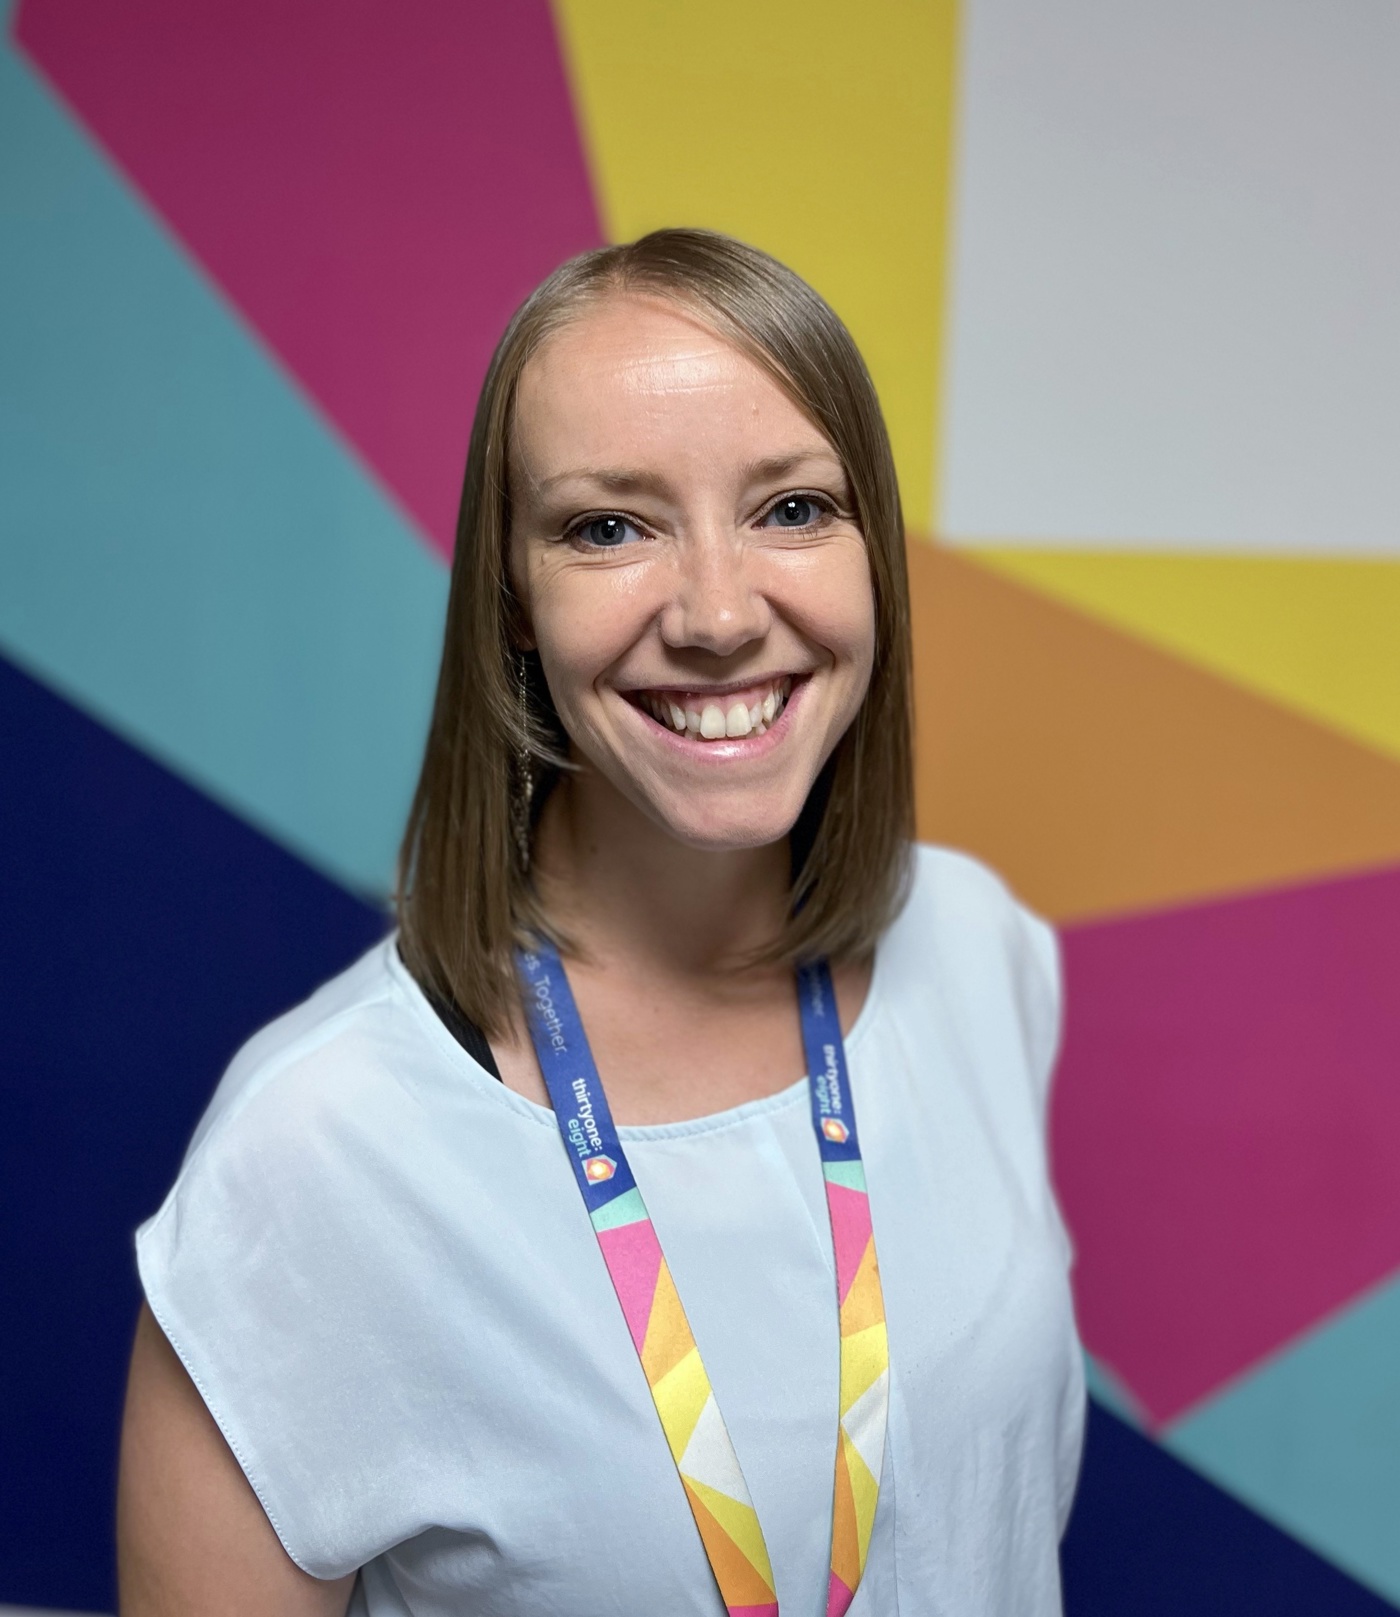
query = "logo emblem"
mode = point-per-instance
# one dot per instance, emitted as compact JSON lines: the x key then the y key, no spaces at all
{"x":597,"y":1169}
{"x":835,"y":1130}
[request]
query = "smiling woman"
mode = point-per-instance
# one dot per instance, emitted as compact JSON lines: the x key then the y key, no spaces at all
{"x":532,"y":1265}
{"x":679,"y":459}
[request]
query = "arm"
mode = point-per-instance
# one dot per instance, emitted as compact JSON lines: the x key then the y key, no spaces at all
{"x":192,"y":1538}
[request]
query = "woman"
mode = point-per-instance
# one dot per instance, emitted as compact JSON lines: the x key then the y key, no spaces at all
{"x":426,"y":1331}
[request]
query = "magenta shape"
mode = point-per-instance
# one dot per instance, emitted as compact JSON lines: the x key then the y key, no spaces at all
{"x":1226,"y":1127}
{"x":850,"y":1232}
{"x":375,"y":186}
{"x":633,"y":1256}
{"x":838,"y":1597}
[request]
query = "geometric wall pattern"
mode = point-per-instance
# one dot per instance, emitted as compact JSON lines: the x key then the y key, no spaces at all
{"x":1152,"y":1537}
{"x":146,"y":930}
{"x":1125,"y":282}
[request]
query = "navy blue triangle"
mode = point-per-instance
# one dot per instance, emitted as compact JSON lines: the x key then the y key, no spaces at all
{"x":144,"y":934}
{"x":1151,"y":1538}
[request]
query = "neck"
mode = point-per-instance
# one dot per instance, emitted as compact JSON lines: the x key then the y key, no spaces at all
{"x":625,"y":889}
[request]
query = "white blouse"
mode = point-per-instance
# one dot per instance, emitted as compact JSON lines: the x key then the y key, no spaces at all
{"x":377,"y":1268}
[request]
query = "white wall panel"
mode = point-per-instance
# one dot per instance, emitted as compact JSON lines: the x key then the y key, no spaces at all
{"x":1176,"y":308}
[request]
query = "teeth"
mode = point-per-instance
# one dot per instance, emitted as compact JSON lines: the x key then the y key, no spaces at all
{"x":709,"y":721}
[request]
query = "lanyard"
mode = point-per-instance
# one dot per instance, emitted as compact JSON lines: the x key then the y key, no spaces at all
{"x":680,"y":1388}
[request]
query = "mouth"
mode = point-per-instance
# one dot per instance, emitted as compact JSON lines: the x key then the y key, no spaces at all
{"x":711,"y":716}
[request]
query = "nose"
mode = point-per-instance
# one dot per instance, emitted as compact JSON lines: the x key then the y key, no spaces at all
{"x":717,"y":606}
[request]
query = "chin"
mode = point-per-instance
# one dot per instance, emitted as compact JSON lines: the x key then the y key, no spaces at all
{"x":729,"y":828}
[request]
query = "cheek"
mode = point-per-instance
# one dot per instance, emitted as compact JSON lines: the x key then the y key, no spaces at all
{"x":859,"y":621}
{"x":583,"y":623}
{"x":834,"y":604}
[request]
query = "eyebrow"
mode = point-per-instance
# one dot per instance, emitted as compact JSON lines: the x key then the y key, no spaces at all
{"x":774,"y":468}
{"x":621,"y":480}
{"x":614,"y":480}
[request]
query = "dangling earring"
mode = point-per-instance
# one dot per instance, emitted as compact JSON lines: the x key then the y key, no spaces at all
{"x":524,"y":775}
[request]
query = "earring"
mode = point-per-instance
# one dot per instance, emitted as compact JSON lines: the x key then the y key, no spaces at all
{"x":524,"y":775}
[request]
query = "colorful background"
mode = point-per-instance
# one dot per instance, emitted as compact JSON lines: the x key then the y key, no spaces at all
{"x":1126,"y":276}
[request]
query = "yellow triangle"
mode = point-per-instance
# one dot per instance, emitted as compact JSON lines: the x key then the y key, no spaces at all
{"x":865,"y":1356}
{"x":865,"y":1493}
{"x":740,"y":1522}
{"x":1316,"y":634}
{"x":680,"y":1396}
{"x":815,"y":129}
{"x":740,"y":1582}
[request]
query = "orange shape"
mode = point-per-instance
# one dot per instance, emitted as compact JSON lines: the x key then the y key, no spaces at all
{"x":863,"y":1305}
{"x":740,"y":1582}
{"x":668,"y":1337}
{"x":1101,"y":775}
{"x":845,"y":1532}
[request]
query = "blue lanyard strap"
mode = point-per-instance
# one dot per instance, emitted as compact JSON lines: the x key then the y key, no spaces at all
{"x":575,"y":1091}
{"x":828,"y":1085}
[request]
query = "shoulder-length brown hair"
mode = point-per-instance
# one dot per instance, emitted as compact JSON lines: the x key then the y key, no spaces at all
{"x":465,"y":896}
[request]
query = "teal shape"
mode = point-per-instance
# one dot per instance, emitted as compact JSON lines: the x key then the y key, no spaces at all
{"x":187,"y":551}
{"x":629,"y":1208}
{"x":1104,"y":1386}
{"x":849,"y":1174}
{"x":1311,"y":1439}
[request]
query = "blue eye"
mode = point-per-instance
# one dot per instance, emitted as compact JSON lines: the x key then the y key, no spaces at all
{"x":606,"y":532}
{"x":796,"y":511}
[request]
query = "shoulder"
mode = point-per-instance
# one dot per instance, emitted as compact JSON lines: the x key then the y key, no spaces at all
{"x":965,"y":948}
{"x":956,"y":902}
{"x":356,"y":1057}
{"x":292,"y":1219}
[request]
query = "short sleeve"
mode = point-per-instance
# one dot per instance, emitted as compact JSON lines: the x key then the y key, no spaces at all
{"x":1040,"y":989}
{"x":267,"y":1268}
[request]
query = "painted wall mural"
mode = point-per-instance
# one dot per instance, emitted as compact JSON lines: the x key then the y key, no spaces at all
{"x":1125,"y":278}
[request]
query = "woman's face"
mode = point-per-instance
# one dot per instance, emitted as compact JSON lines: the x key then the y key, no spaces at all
{"x":693,"y":578}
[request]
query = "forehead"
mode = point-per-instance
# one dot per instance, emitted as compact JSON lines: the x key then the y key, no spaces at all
{"x":654,"y":373}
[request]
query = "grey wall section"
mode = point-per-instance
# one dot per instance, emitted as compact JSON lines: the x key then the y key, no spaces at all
{"x":1176,"y":249}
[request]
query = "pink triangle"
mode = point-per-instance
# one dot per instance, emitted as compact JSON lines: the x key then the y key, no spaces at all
{"x":768,"y":1610}
{"x":376,"y":189}
{"x":850,"y":1232}
{"x":633,"y":1256}
{"x":838,"y":1597}
{"x":1227,"y":1127}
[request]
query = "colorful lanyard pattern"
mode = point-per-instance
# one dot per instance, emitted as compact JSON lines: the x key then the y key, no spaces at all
{"x":680,"y":1388}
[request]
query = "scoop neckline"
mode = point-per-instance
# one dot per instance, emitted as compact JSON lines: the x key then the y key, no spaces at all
{"x":709,"y":1122}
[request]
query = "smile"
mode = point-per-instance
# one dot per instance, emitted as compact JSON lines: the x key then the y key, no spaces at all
{"x":715,"y":715}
